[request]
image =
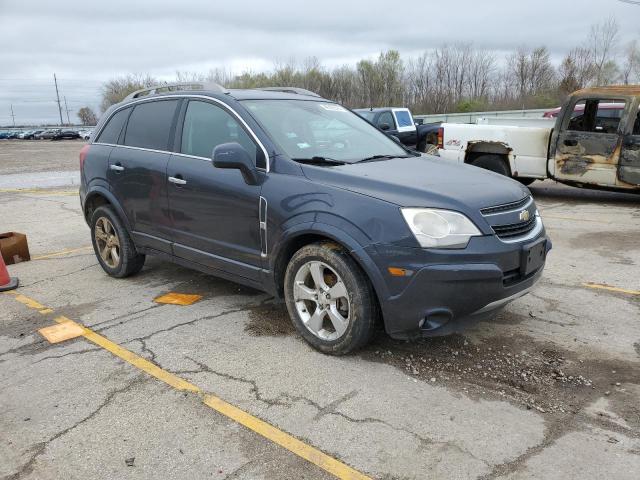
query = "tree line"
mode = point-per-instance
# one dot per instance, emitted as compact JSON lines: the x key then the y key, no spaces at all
{"x":451,"y":78}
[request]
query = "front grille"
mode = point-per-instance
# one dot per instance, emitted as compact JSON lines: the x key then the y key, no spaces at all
{"x":506,"y":207}
{"x":515,"y":229}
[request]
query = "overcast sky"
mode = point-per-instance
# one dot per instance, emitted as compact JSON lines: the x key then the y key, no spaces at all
{"x":87,"y":42}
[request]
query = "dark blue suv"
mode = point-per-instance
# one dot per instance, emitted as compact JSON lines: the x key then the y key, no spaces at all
{"x":297,"y":196}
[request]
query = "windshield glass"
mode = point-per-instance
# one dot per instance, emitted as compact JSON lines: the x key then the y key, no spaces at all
{"x":307,"y":129}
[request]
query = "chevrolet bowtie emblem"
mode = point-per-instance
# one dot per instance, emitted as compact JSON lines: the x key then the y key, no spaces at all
{"x":524,"y":215}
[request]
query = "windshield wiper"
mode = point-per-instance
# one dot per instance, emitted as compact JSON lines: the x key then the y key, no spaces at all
{"x":381,"y":157}
{"x":319,"y":161}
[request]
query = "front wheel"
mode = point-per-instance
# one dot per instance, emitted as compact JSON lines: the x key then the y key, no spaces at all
{"x":329,"y":298}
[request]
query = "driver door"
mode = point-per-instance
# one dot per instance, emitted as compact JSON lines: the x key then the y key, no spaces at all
{"x":588,"y":143}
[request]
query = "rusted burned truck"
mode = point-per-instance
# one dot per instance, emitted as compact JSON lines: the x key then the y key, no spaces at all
{"x":588,"y":145}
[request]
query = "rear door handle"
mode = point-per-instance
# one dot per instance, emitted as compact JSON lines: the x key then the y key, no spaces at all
{"x":177,"y":181}
{"x":569,"y":142}
{"x":116,"y":168}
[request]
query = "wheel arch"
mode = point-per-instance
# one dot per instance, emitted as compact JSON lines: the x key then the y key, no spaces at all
{"x":476,"y":149}
{"x":99,"y":196}
{"x":302,"y":235}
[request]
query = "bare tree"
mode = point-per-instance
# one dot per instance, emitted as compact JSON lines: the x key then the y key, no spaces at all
{"x":602,"y":41}
{"x":114,"y":90}
{"x":576,"y":71}
{"x":87,"y":116}
{"x":630,"y":71}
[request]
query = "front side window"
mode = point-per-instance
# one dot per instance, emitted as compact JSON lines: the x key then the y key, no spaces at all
{"x":150,"y":125}
{"x":207,"y":125}
{"x":596,"y":116}
{"x":111,"y":132}
{"x":636,"y":125}
{"x":308,"y":129}
{"x":386,"y":119}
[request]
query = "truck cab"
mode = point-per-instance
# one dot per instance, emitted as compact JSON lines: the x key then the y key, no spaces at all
{"x":393,"y":121}
{"x":595,"y":145}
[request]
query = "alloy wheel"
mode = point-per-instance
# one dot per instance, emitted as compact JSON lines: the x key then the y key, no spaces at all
{"x":107,"y":242}
{"x":322,"y":300}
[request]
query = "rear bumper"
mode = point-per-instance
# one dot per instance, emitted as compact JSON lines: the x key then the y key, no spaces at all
{"x":447,"y":292}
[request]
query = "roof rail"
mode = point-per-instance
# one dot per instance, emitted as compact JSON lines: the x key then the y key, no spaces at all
{"x":171,"y":87}
{"x":299,"y":91}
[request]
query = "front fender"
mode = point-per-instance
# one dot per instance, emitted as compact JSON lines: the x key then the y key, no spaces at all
{"x":325,"y":230}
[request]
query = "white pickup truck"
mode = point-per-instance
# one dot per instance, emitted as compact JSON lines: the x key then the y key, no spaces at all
{"x":588,"y":145}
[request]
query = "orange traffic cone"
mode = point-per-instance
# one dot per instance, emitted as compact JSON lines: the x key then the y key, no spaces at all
{"x":6,"y":282}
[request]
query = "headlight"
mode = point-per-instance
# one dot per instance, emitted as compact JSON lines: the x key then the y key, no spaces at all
{"x":439,"y":228}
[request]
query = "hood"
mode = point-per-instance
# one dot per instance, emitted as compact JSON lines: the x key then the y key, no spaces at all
{"x":425,"y":181}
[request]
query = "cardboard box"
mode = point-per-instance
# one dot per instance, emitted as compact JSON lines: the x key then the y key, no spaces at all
{"x":14,"y":248}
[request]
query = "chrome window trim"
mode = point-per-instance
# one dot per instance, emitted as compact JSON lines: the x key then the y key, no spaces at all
{"x":205,"y":97}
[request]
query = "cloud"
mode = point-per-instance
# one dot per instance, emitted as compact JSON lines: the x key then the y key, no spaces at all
{"x":86,"y":43}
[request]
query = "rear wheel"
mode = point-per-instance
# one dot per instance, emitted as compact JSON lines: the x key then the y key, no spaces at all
{"x":112,"y":244}
{"x":526,"y":181}
{"x":495,"y":163}
{"x":330,"y":299}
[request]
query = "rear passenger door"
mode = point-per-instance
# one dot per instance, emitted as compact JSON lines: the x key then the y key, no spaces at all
{"x":213,"y":211}
{"x":138,"y":171}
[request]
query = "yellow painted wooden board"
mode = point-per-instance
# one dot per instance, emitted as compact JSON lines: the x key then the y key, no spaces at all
{"x":62,"y":331}
{"x":173,"y":298}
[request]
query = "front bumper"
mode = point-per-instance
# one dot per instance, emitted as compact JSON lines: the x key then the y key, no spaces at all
{"x":449,"y":289}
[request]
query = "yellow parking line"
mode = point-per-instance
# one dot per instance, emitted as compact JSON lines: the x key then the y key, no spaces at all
{"x":266,"y":430}
{"x":39,"y":191}
{"x":62,"y":252}
{"x":611,"y":289}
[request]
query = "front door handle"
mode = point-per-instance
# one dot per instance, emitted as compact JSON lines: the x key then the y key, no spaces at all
{"x":116,"y":168}
{"x":570,"y":142}
{"x":177,"y":181}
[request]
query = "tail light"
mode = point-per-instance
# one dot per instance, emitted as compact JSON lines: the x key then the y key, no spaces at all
{"x":83,"y":155}
{"x":441,"y":137}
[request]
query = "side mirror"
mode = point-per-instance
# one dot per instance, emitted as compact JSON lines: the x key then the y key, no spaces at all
{"x":233,"y":155}
{"x":384,"y":127}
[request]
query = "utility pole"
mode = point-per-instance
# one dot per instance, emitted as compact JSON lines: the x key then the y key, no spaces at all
{"x":67,"y":109}
{"x":13,"y":116}
{"x":55,"y":80}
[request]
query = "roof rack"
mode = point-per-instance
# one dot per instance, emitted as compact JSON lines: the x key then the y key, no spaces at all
{"x":171,"y":87}
{"x":299,"y":91}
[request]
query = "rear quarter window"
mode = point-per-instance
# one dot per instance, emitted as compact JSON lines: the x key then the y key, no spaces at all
{"x":150,"y":125}
{"x":111,"y":132}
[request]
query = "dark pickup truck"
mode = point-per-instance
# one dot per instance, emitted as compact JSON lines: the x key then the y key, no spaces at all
{"x":399,"y":123}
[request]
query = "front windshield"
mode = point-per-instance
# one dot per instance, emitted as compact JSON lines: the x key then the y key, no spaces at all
{"x":308,"y":129}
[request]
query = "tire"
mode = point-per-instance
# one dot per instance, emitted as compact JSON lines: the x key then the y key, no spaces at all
{"x":526,"y":181}
{"x":126,"y":260}
{"x":334,"y":267}
{"x":422,"y":146}
{"x":495,"y":163}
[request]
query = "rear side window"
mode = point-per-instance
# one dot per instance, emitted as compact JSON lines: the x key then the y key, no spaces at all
{"x":111,"y":132}
{"x":150,"y":125}
{"x":206,"y":126}
{"x":403,"y":118}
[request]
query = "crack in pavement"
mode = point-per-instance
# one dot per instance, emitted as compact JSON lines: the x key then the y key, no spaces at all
{"x":39,"y":448}
{"x":329,"y":409}
{"x":125,"y":315}
{"x":182,"y":324}
{"x":76,"y":352}
{"x":56,"y":277}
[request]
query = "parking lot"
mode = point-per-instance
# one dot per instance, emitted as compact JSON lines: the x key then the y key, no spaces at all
{"x":225,"y":388}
